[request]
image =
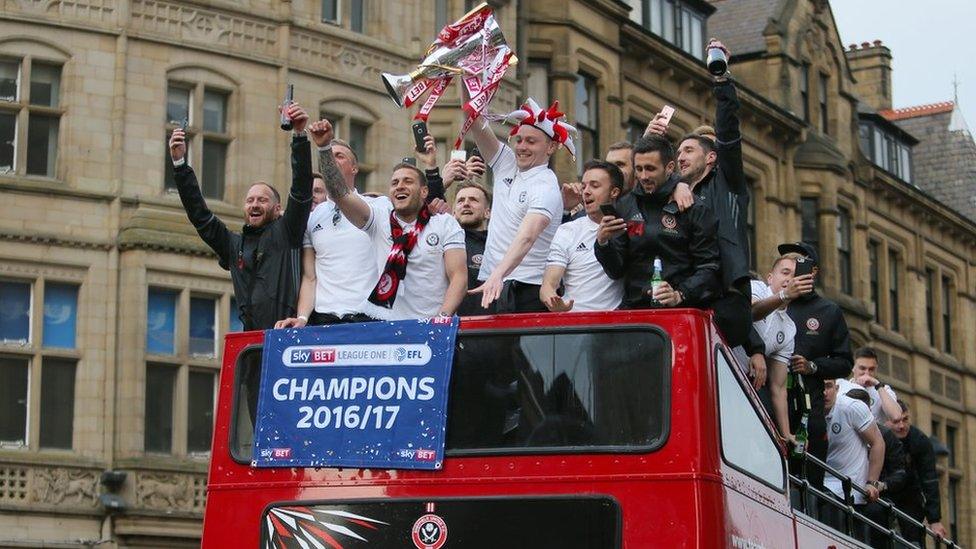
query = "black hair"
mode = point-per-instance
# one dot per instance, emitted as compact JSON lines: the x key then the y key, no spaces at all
{"x":707,"y":144}
{"x":860,"y":394}
{"x":866,"y":352}
{"x":655,"y":143}
{"x":420,"y":173}
{"x":616,"y":176}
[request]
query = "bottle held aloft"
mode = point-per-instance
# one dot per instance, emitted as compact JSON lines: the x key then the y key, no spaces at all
{"x":289,"y":99}
{"x":717,"y":61}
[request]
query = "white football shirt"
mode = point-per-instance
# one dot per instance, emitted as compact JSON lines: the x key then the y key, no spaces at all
{"x":422,"y":290}
{"x":844,"y":385}
{"x":587,"y":284}
{"x":846,"y":452}
{"x":516,"y":194}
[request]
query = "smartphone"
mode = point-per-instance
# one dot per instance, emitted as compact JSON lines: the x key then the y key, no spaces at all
{"x":460,"y":154}
{"x":409,"y":160}
{"x":289,"y":99}
{"x":184,"y":125}
{"x":476,"y":152}
{"x":608,"y":209}
{"x":668,"y":112}
{"x":419,"y":133}
{"x":803,"y":267}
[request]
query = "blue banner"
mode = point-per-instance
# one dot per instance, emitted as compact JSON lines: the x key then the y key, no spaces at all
{"x":355,"y":395}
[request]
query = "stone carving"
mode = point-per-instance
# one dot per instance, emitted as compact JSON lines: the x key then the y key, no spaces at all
{"x":86,"y":10}
{"x":238,"y":34}
{"x":57,"y":486}
{"x":170,"y":491}
{"x":352,"y":60}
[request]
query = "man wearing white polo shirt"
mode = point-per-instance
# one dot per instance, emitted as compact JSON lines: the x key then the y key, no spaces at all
{"x":526,"y":208}
{"x":884,"y":400}
{"x":571,"y":257}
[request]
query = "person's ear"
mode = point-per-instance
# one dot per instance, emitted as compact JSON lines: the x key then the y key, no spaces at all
{"x":669,"y":168}
{"x":711,"y":157}
{"x":277,"y":210}
{"x":424,"y":191}
{"x":614,"y":193}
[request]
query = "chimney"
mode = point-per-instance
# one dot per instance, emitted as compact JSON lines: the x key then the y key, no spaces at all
{"x":870,"y":64}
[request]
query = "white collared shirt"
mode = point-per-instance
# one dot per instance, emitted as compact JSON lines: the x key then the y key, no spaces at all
{"x":516,"y":194}
{"x":587,"y":284}
{"x":422,"y":290}
{"x":846,"y":452}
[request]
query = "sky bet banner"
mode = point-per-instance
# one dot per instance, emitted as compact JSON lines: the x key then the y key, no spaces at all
{"x":355,"y":395}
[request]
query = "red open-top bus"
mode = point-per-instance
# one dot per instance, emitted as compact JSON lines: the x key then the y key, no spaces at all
{"x":581,"y":430}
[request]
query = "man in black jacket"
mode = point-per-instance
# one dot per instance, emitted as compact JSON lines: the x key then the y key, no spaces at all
{"x":920,"y":497}
{"x":263,"y":259}
{"x":713,"y":171}
{"x":649,"y":226}
{"x":821,"y":350}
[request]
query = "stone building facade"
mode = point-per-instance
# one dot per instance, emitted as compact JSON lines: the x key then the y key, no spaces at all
{"x":112,"y":310}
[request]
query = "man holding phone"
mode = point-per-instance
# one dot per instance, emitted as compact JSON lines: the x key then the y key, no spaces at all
{"x":263,"y":257}
{"x":571,"y":257}
{"x":822,"y":349}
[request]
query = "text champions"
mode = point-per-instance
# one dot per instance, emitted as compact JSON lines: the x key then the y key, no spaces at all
{"x":382,"y":388}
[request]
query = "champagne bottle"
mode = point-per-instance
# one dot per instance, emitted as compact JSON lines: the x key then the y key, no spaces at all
{"x":801,"y":436}
{"x":289,"y":99}
{"x":656,"y":278}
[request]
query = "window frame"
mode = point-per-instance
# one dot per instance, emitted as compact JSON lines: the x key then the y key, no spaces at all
{"x":197,"y":134}
{"x":342,"y":120}
{"x":591,"y":84}
{"x":36,"y":354}
{"x":823,"y":91}
{"x":182,"y":361}
{"x":23,"y":109}
{"x":845,"y":266}
{"x":718,"y":350}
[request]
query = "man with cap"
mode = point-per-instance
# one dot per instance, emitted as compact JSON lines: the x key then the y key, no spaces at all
{"x":821,"y":350}
{"x":526,"y":208}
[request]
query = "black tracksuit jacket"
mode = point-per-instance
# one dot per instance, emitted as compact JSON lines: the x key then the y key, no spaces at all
{"x":474,"y":245}
{"x":686,"y":242}
{"x":923,"y":479}
{"x":264,"y":262}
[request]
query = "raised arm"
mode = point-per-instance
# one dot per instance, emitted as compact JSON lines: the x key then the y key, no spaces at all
{"x":210,"y":228}
{"x":876,"y":454}
{"x":481,"y":133}
{"x":349,"y":203}
{"x":728,"y":142}
{"x":300,"y":195}
{"x":532,"y":226}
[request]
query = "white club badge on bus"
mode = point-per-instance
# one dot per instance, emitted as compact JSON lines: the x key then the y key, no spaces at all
{"x":473,"y":48}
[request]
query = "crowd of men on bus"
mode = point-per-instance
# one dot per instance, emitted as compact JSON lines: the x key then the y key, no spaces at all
{"x":519,"y":241}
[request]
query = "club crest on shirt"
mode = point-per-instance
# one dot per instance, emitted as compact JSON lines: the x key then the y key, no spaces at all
{"x":433,"y":239}
{"x":780,"y":337}
{"x":521,"y":197}
{"x":476,"y":259}
{"x":835,"y":428}
{"x":813,"y":324}
{"x":669,"y":224}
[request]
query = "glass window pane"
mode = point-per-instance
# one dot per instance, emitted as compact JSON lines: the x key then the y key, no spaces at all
{"x":235,"y":324}
{"x":9,"y":74}
{"x":45,"y":85}
{"x":214,"y":168}
{"x":358,"y":134}
{"x":697,"y":40}
{"x":358,"y":22}
{"x":160,"y":383}
{"x":57,"y":403}
{"x":746,"y":443}
{"x":177,"y":104}
{"x":538,"y":83}
{"x":686,"y":31}
{"x":810,"y":217}
{"x":42,"y":144}
{"x":60,"y":315}
{"x":214,"y":111}
{"x":440,"y":15}
{"x":330,"y":10}
{"x":14,"y":374}
{"x":200,"y":411}
{"x":582,"y":102}
{"x":202,"y":316}
{"x":169,"y":177}
{"x":667,"y":20}
{"x":15,"y":302}
{"x":655,"y":16}
{"x":577,"y":390}
{"x":161,"y":322}
{"x":8,"y":139}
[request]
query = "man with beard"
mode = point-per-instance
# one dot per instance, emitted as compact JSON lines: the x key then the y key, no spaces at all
{"x":420,"y":256}
{"x":713,"y":172}
{"x":649,"y":226}
{"x":263,"y":257}
{"x":571,"y":258}
{"x":621,"y":155}
{"x":471,"y":209}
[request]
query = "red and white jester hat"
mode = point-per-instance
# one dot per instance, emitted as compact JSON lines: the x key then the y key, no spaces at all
{"x":547,"y":120}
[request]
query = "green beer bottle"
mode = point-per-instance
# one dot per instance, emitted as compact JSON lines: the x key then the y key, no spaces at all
{"x":656,"y":278}
{"x":801,"y":436}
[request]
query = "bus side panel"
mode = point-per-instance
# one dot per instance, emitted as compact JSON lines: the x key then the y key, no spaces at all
{"x":810,"y":533}
{"x":752,"y":523}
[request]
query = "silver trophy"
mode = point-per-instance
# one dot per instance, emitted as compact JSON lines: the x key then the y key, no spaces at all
{"x":443,"y":61}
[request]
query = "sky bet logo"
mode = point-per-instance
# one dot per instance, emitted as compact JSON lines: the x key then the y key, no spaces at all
{"x":306,"y":356}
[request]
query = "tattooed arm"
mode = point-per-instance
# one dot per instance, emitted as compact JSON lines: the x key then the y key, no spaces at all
{"x":349,"y":203}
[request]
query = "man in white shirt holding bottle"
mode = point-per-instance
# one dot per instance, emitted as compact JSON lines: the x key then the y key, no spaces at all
{"x":526,"y":208}
{"x":571,"y":257}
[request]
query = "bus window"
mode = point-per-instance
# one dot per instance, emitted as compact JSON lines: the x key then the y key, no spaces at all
{"x":746,"y":443}
{"x":519,"y":393}
{"x":246,"y":385}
